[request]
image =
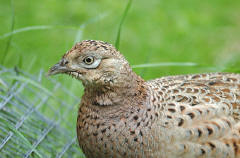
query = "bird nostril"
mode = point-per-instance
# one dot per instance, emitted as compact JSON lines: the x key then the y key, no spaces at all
{"x":64,"y":62}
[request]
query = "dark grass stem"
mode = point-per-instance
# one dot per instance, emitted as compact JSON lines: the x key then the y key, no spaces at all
{"x":10,"y":38}
{"x":117,"y":43}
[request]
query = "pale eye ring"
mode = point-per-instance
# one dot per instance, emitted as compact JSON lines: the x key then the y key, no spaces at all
{"x":88,"y":60}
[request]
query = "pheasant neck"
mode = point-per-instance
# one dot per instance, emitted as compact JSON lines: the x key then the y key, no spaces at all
{"x":125,"y":90}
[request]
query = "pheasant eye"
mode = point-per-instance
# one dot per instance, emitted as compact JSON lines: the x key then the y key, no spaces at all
{"x":88,"y":60}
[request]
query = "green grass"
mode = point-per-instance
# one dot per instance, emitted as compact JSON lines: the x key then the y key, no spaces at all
{"x":157,"y":37}
{"x":203,"y":32}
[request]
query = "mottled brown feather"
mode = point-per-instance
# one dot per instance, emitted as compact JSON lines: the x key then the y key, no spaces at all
{"x":121,"y":115}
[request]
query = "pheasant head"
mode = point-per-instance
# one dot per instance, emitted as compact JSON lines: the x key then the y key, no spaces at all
{"x":94,"y":63}
{"x":102,"y":69}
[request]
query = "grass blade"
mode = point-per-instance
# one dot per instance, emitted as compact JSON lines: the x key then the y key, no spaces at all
{"x":90,"y":21}
{"x":165,"y":64}
{"x":19,"y":134}
{"x":25,"y":29}
{"x":10,"y":38}
{"x":117,"y":43}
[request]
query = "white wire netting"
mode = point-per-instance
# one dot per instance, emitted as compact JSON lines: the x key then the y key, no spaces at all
{"x":36,"y":121}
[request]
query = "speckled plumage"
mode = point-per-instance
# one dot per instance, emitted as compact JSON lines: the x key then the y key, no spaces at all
{"x":121,"y":115}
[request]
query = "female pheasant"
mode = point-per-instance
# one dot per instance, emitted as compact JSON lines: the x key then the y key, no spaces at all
{"x":121,"y":115}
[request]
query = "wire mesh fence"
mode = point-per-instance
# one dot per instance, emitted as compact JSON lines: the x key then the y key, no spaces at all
{"x":35,"y":121}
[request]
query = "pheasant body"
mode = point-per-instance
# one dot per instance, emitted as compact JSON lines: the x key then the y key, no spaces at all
{"x":121,"y":115}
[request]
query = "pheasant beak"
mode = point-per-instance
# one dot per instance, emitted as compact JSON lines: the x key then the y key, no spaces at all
{"x":58,"y":68}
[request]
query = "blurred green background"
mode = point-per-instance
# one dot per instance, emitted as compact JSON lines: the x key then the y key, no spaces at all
{"x":35,"y":34}
{"x":200,"y":31}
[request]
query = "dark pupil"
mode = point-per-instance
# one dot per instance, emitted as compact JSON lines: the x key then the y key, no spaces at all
{"x":88,"y":60}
